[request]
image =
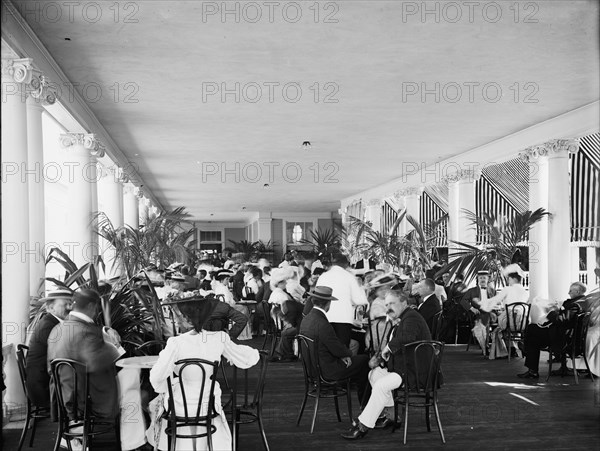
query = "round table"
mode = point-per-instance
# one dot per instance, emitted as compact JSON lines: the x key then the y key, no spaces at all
{"x":145,"y":361}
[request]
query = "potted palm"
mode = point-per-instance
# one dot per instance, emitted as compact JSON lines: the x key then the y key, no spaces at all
{"x":503,"y":238}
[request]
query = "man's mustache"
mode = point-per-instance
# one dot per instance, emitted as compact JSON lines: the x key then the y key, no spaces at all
{"x":391,"y":311}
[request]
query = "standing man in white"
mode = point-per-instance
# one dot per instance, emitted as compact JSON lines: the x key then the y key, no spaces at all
{"x":350,"y":295}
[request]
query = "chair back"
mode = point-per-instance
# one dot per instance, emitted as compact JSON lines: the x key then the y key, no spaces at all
{"x":186,"y":368}
{"x":269,"y":323}
{"x":580,"y":333}
{"x":71,"y":382}
{"x":379,"y":330}
{"x":21,"y":359}
{"x":437,"y":325}
{"x":517,"y":316}
{"x":310,"y":360}
{"x":422,"y":365}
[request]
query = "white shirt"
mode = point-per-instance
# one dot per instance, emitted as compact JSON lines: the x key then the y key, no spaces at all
{"x":440,"y":293}
{"x":221,"y":289}
{"x":346,"y":290}
{"x":508,"y":295}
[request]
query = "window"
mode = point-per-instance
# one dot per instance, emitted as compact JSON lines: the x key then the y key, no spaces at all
{"x":295,"y":232}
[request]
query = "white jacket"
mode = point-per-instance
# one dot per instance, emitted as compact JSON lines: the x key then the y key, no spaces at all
{"x":346,"y":289}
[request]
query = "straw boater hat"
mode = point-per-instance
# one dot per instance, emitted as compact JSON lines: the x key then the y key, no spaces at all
{"x":60,"y":293}
{"x":223,"y":273}
{"x":322,"y":292}
{"x":383,"y":280}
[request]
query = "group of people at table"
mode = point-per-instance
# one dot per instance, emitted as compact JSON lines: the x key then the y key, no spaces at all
{"x":321,"y":304}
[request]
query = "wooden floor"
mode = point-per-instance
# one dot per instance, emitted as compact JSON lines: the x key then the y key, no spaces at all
{"x":483,"y":406}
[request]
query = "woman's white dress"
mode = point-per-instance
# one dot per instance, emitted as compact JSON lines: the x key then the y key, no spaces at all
{"x":204,"y":345}
{"x":509,"y":295}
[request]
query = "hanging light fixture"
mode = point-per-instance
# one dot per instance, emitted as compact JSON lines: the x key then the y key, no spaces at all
{"x":296,"y":233}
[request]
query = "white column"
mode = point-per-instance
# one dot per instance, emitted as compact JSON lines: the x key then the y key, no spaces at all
{"x":412,"y":202}
{"x":538,"y":235}
{"x":264,"y":229}
{"x":559,"y":234}
{"x":143,"y":206}
{"x":461,"y":189}
{"x":35,"y":156}
{"x":401,"y":201}
{"x":131,"y":215}
{"x":591,"y":265}
{"x":82,"y":148}
{"x":110,"y":197}
{"x":16,"y":74}
{"x":373,"y":214}
{"x":453,"y":213}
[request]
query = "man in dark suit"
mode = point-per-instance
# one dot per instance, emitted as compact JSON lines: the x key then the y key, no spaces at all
{"x":385,"y":375}
{"x":58,"y":305}
{"x":553,"y":333}
{"x":335,"y":358}
{"x":472,"y":298}
{"x":79,"y":338}
{"x":430,"y":305}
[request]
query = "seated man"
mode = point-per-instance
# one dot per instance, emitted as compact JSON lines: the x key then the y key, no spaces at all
{"x":335,"y":358}
{"x":553,"y":333}
{"x":471,"y":302}
{"x":58,"y":305}
{"x":410,"y":327}
{"x":79,"y":338}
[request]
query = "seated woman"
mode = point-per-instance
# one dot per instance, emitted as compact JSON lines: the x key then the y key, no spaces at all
{"x":221,"y":289}
{"x":198,"y":343}
{"x":514,"y":292}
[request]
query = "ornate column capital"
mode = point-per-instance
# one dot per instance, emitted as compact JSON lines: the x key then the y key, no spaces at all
{"x":130,"y":189}
{"x":550,"y":148}
{"x":87,"y":140}
{"x":41,"y":90}
{"x":462,"y":175}
{"x":20,"y":70}
{"x":409,"y":191}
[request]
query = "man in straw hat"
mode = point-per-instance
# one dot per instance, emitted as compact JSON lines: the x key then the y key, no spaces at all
{"x":335,"y":358}
{"x":58,"y":305}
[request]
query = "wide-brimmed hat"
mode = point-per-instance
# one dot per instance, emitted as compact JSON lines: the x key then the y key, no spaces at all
{"x":60,"y":293}
{"x":197,"y":309}
{"x":382,"y":280}
{"x":223,"y":273}
{"x":322,"y":292}
{"x":280,"y":275}
{"x":513,"y":268}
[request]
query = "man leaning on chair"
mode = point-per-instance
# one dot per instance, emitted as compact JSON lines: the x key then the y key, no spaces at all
{"x":385,"y":372}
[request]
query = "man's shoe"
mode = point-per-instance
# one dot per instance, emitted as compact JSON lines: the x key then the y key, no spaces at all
{"x":355,"y":433}
{"x":562,"y":371}
{"x":383,"y":423}
{"x":529,"y":375}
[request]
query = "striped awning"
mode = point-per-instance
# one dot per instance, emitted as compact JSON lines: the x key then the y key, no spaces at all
{"x":439,"y":194}
{"x":488,"y":199}
{"x":585,"y":181}
{"x":388,"y":217}
{"x":511,"y":180}
{"x":430,"y":212}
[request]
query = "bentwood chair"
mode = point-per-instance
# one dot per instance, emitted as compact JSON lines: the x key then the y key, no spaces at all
{"x":191,"y":419}
{"x":575,"y":345}
{"x":421,"y":379}
{"x":378,"y":333}
{"x":272,"y":328}
{"x":33,"y":412}
{"x":72,"y":389}
{"x":517,"y":320}
{"x":250,"y":410}
{"x":316,"y":386}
